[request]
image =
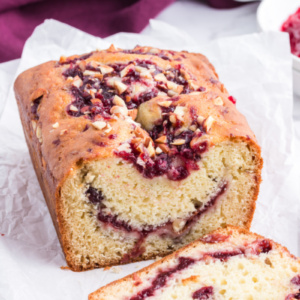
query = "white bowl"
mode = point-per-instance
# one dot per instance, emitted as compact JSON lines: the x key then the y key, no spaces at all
{"x":271,"y":14}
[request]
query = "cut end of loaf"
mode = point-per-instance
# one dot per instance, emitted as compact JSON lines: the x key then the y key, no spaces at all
{"x":112,"y":214}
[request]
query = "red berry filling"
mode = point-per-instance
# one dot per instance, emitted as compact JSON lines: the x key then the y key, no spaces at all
{"x":161,"y":279}
{"x":185,"y":262}
{"x":204,"y":293}
{"x":292,"y":27}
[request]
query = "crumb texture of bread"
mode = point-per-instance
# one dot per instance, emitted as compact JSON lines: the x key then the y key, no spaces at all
{"x":138,"y":152}
{"x":227,"y":264}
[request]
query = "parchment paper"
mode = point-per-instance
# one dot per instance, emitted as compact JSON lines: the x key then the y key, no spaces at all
{"x":256,"y":69}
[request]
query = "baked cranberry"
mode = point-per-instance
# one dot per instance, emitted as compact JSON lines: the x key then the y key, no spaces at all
{"x":204,"y":293}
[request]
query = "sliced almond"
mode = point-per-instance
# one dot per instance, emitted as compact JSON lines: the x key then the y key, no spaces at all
{"x":38,"y":132}
{"x":124,"y":147}
{"x":178,"y":142}
{"x":120,"y":86}
{"x":33,"y":124}
{"x":160,"y":77}
{"x":77,"y":82}
{"x":99,"y":124}
{"x":140,"y":147}
{"x":151,"y":150}
{"x":218,"y":101}
{"x":178,"y":225}
{"x":140,"y":162}
{"x":180,"y":111}
{"x":193,"y":127}
{"x":122,"y":110}
{"x":118,"y":101}
{"x":126,"y":70}
{"x":173,"y":118}
{"x":172,"y":93}
{"x":37,"y":94}
{"x":105,"y":69}
{"x":193,"y":84}
{"x":200,"y":120}
{"x":146,"y":74}
{"x":90,"y":73}
{"x":164,"y":148}
{"x":62,"y":59}
{"x":55,"y":125}
{"x":208,"y":123}
{"x":194,"y":142}
{"x":73,"y":108}
{"x":132,"y":113}
{"x":158,"y":150}
{"x":162,"y":140}
{"x":165,"y":103}
{"x":154,"y":51}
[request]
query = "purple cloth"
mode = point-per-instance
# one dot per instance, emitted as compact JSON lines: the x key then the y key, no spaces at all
{"x":18,"y":18}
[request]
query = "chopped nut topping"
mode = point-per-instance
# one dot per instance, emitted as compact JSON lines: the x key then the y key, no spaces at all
{"x":140,"y":162}
{"x":73,"y":108}
{"x":62,"y":59}
{"x":158,"y":150}
{"x":77,"y":82}
{"x":151,"y":150}
{"x":33,"y":123}
{"x":120,"y":86}
{"x":99,"y":124}
{"x":132,"y":113}
{"x":105,"y":69}
{"x":63,"y":131}
{"x":180,"y":111}
{"x":193,"y":85}
{"x":165,"y":103}
{"x":161,"y":140}
{"x":90,"y":73}
{"x":164,"y":148}
{"x":55,"y":125}
{"x":200,"y":120}
{"x":37,"y":94}
{"x":122,"y":110}
{"x":126,"y":70}
{"x":172,"y":93}
{"x":178,"y":142}
{"x":154,"y":51}
{"x":160,"y":77}
{"x":218,"y":101}
{"x":173,"y":118}
{"x":118,"y":101}
{"x":193,"y":127}
{"x":124,"y":147}
{"x":39,"y":133}
{"x":196,"y":140}
{"x":178,"y":225}
{"x":208,"y":123}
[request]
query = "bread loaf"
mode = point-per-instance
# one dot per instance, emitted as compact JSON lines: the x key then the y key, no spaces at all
{"x":138,"y":152}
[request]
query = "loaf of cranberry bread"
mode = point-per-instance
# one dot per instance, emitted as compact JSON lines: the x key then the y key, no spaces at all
{"x":138,"y":152}
{"x":229,"y":264}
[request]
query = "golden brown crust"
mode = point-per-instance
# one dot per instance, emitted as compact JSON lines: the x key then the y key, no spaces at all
{"x":53,"y":162}
{"x":229,"y":230}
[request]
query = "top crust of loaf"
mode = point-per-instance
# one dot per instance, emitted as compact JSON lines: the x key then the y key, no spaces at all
{"x":46,"y":80}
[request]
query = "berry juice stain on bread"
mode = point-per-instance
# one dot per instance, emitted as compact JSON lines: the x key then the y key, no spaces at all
{"x":138,"y":152}
{"x":228,"y":264}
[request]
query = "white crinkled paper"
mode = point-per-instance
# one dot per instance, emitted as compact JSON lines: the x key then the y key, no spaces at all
{"x":255,"y":68}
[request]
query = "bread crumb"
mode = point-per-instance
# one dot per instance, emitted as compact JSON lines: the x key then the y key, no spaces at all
{"x":106,"y":268}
